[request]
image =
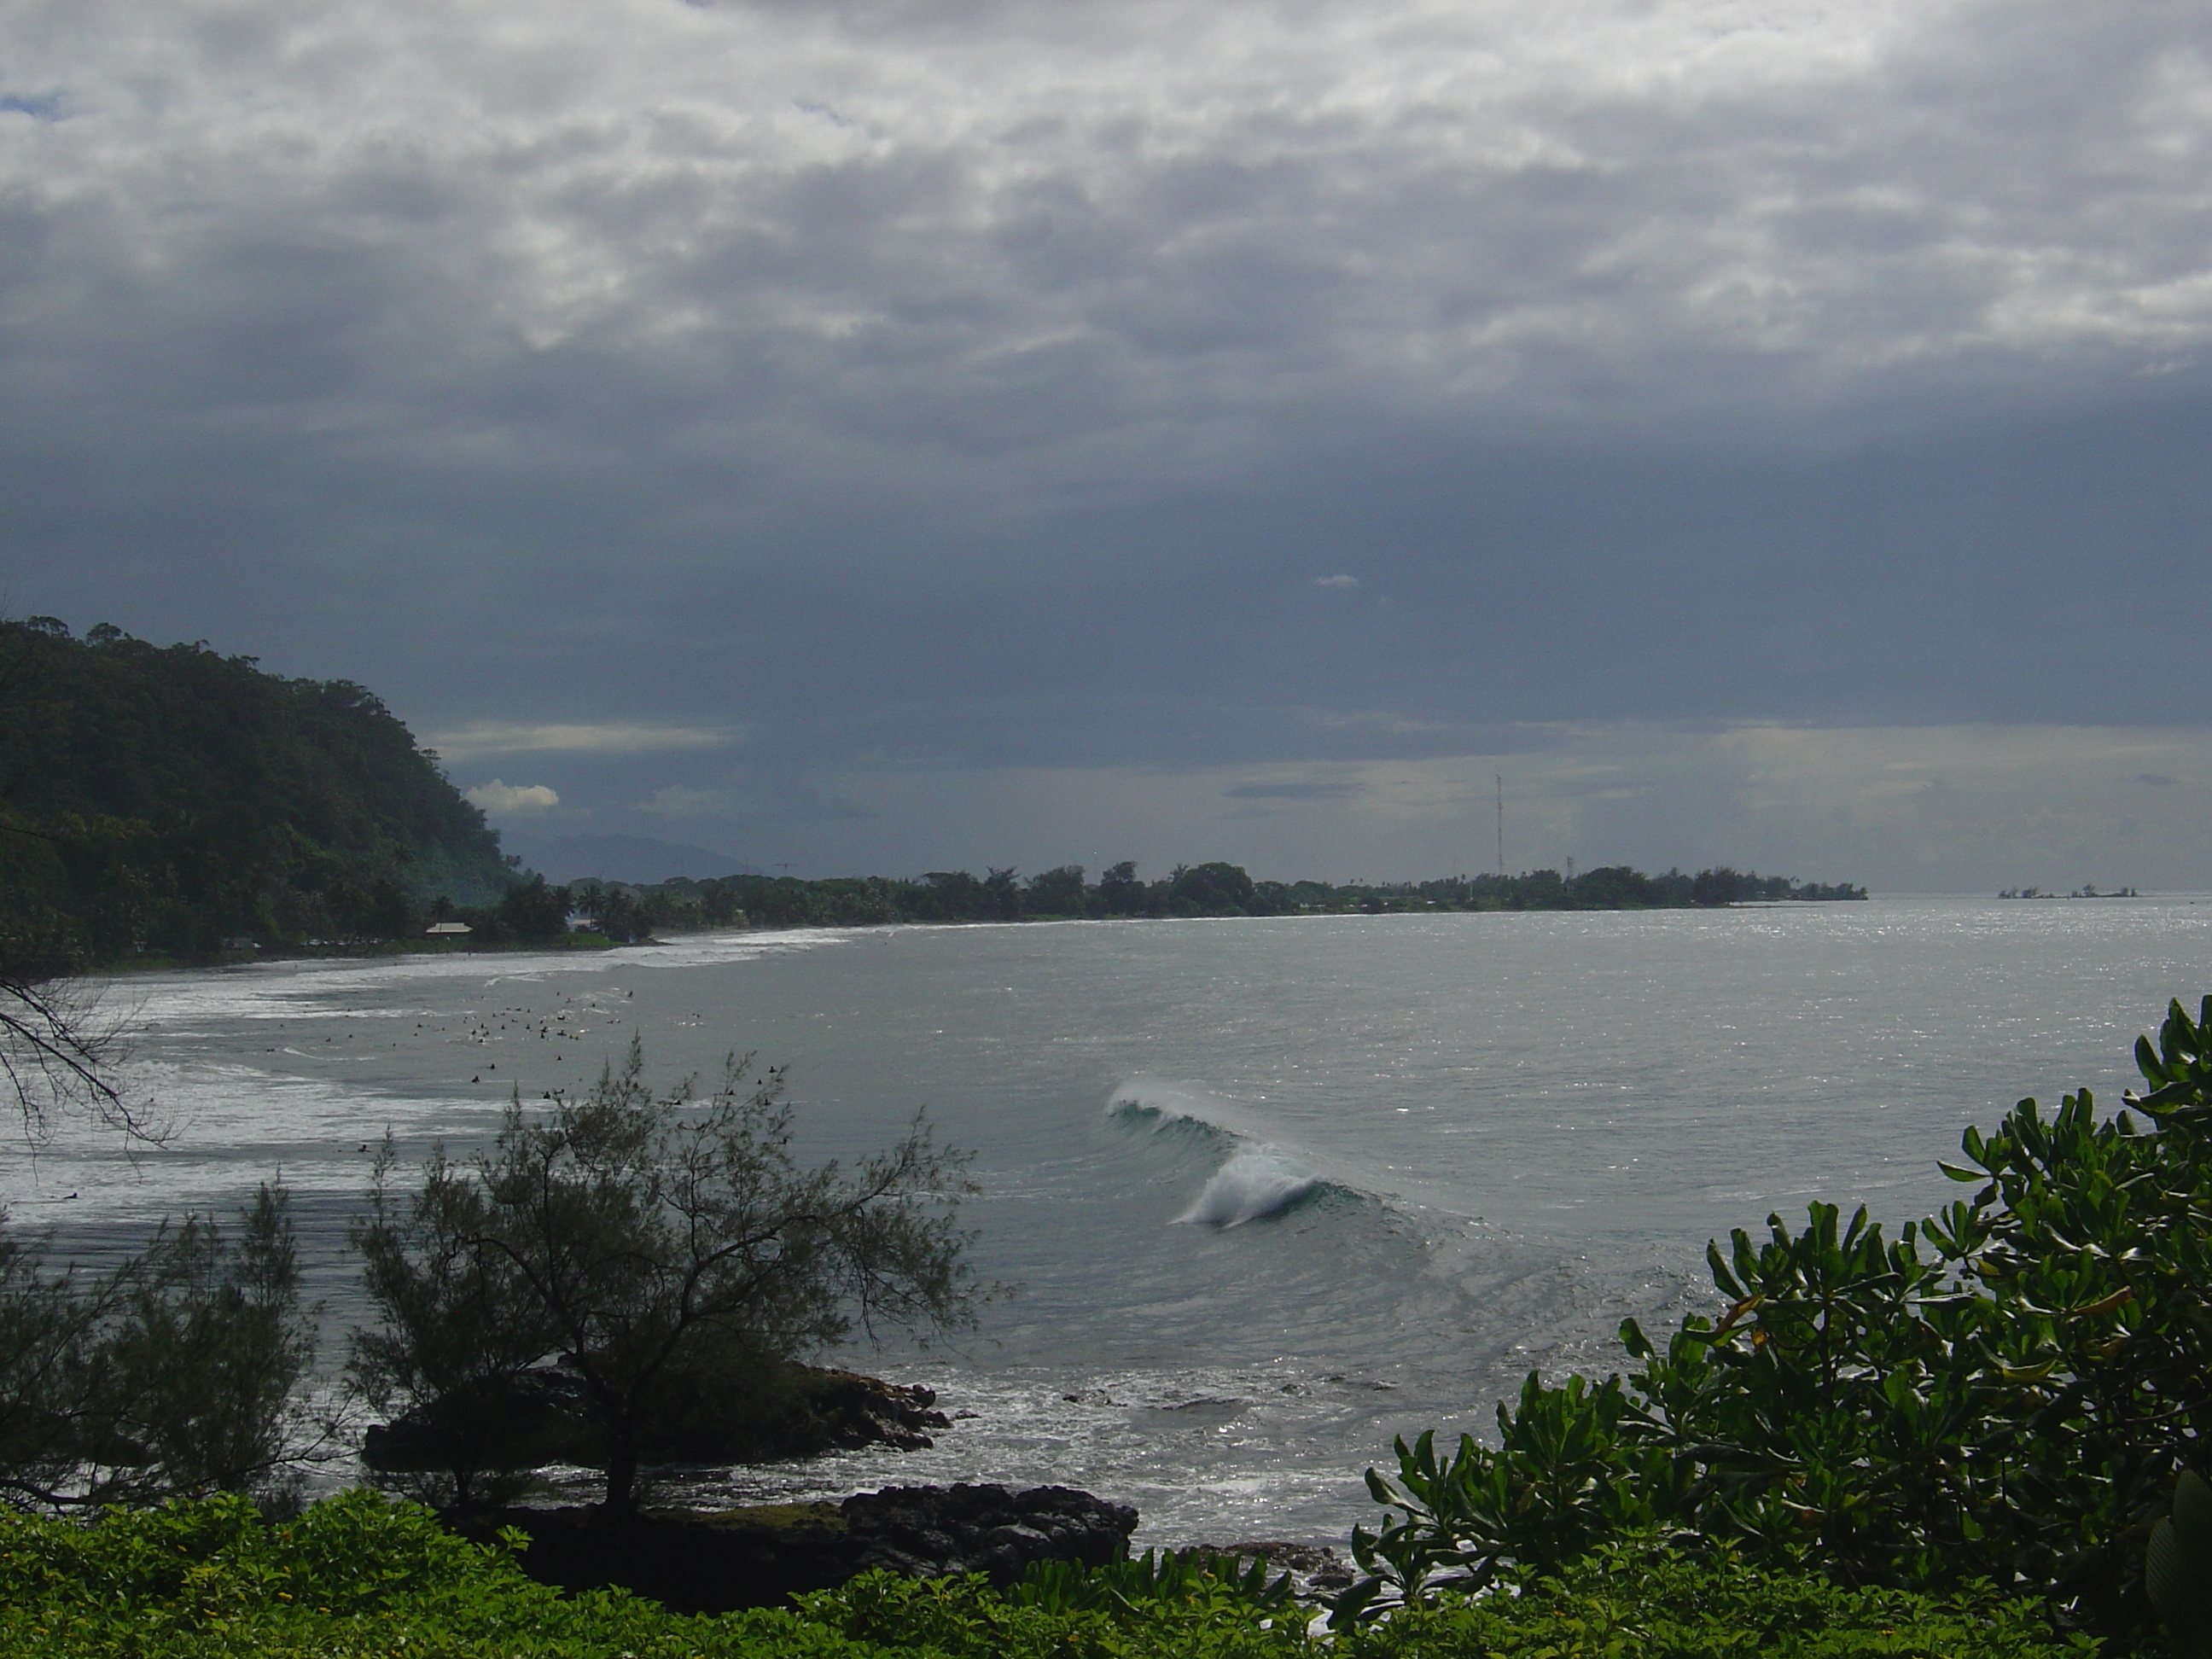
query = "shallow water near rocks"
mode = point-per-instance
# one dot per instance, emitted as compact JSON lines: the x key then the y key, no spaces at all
{"x":1265,"y":1192}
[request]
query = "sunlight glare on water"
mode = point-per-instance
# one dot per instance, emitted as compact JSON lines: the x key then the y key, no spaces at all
{"x":1265,"y":1192}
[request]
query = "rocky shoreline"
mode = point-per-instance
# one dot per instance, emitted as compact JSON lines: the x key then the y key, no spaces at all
{"x":699,"y":1562}
{"x":694,"y":1561}
{"x":717,"y":1561}
{"x":794,"y":1411}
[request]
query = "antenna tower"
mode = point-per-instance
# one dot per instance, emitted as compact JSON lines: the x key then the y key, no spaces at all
{"x":1501,"y":826}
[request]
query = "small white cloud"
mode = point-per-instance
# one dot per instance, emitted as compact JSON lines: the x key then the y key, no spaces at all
{"x":613,"y":738}
{"x":508,"y":800}
{"x":1339,"y":581}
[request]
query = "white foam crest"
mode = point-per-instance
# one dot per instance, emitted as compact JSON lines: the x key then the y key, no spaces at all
{"x":1262,"y":1176}
{"x":1168,"y":1102}
{"x":1257,"y":1181}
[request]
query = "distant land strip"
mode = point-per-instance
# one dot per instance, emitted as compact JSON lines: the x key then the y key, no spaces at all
{"x":166,"y":804}
{"x":626,"y":911}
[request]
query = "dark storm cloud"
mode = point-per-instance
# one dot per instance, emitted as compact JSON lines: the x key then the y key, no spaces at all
{"x":906,"y":384}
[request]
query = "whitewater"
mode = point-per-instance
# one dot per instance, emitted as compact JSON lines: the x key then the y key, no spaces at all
{"x":1257,"y":1195}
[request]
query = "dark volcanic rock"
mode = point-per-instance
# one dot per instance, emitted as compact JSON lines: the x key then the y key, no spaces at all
{"x":849,"y":1411}
{"x":700,"y":1562}
{"x":930,"y":1532}
{"x":757,"y":1414}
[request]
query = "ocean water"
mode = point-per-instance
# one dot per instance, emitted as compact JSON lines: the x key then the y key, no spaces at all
{"x":1262,"y":1194}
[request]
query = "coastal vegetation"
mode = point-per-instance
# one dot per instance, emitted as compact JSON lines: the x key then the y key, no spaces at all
{"x":1964,"y":1440}
{"x":624,"y":1275}
{"x":629,"y":1275}
{"x":1205,"y":890}
{"x":358,"y":1576}
{"x":2005,"y":1394}
{"x":168,"y":802}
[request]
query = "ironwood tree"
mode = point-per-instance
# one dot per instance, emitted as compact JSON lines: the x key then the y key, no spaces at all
{"x":173,"y":1373}
{"x":616,"y":1248}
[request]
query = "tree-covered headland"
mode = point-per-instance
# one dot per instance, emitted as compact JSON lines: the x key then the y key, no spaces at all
{"x":170,"y":801}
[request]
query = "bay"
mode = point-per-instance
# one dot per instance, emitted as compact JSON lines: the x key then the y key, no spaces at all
{"x":1265,"y":1192}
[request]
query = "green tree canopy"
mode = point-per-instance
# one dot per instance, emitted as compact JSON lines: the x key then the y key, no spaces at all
{"x":645,"y":1246}
{"x":173,"y":1372}
{"x":169,"y":799}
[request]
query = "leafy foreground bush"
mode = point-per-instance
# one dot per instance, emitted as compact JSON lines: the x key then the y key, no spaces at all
{"x":359,"y":1576}
{"x":354,"y":1576}
{"x":2007,"y":1392}
{"x":1652,"y":1602}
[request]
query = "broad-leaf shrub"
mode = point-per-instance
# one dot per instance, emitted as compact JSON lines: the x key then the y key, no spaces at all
{"x":2005,"y":1391}
{"x":1183,"y":1580}
{"x":1568,"y":1474}
{"x":966,"y":1618}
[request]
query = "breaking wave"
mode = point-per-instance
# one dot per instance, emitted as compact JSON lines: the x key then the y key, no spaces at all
{"x":1257,"y":1178}
{"x":1257,"y":1181}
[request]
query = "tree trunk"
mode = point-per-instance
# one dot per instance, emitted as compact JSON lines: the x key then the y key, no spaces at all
{"x":621,"y":1474}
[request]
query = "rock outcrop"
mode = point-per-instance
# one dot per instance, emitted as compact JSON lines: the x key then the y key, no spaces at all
{"x":763,"y":1413}
{"x":1316,"y":1571}
{"x":845,"y":1411}
{"x":929,"y":1532}
{"x":712,"y":1563}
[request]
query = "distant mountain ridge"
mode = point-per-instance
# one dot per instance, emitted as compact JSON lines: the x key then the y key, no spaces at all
{"x":174,"y":801}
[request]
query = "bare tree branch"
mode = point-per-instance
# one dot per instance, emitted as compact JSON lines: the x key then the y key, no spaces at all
{"x":57,"y":1057}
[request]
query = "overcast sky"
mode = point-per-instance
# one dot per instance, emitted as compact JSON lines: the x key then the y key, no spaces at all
{"x":891,"y":436}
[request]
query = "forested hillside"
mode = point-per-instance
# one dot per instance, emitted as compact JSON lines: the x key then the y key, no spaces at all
{"x":172,"y":801}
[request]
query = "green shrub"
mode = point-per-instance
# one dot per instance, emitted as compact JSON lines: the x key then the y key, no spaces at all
{"x":359,"y":1576}
{"x":2005,"y":1392}
{"x":1653,"y":1602}
{"x":1177,"y":1606}
{"x":1201,"y":1582}
{"x":354,"y":1576}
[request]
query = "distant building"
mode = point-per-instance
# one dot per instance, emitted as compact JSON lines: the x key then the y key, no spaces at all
{"x":447,"y":929}
{"x":580,"y":923}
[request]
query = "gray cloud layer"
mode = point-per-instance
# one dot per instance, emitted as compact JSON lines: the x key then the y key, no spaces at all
{"x":1004,"y":385}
